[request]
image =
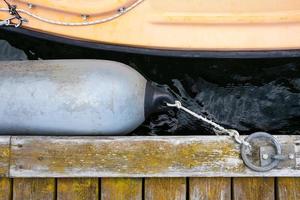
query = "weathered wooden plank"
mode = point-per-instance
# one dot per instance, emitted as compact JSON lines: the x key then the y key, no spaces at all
{"x":5,"y":189}
{"x":77,"y":189}
{"x":4,"y":155}
{"x":121,"y":188}
{"x":210,"y":188}
{"x":159,"y":156}
{"x":288,"y":188}
{"x":253,"y":188}
{"x":165,"y":188}
{"x":34,"y":188}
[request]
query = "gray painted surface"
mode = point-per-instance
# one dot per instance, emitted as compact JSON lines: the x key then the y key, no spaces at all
{"x":8,"y":52}
{"x":75,"y":97}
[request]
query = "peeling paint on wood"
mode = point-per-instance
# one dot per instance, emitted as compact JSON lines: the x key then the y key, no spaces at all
{"x":253,"y":188}
{"x":288,"y":188}
{"x":5,"y":189}
{"x":165,"y":188}
{"x":34,"y":188}
{"x":4,"y":155}
{"x":121,"y":188}
{"x":209,"y":188}
{"x":77,"y":189}
{"x":158,"y":156}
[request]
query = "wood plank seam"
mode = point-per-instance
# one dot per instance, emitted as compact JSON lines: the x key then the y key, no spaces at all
{"x":276,"y":188}
{"x":99,"y":188}
{"x":55,"y":194}
{"x":143,"y":188}
{"x":187,"y":188}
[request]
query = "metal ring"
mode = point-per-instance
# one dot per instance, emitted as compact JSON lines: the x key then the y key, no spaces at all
{"x":272,"y":164}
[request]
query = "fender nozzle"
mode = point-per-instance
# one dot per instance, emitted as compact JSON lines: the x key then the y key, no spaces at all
{"x":156,"y":97}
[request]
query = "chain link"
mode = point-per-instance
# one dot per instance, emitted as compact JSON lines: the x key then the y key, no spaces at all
{"x":12,"y":10}
{"x":218,"y":129}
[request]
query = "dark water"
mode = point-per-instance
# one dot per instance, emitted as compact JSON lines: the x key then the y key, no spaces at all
{"x":247,"y":95}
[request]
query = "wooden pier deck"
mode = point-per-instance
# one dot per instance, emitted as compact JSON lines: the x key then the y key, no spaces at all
{"x":137,"y":168}
{"x":150,"y":188}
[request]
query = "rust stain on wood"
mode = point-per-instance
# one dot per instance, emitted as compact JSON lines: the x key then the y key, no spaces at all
{"x":209,"y":188}
{"x":5,"y":189}
{"x":4,"y":155}
{"x":34,"y":188}
{"x":121,"y":189}
{"x":165,"y":188}
{"x":288,"y":188}
{"x":77,"y":189}
{"x":253,"y":188}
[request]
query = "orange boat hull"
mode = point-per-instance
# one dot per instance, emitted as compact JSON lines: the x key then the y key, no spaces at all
{"x":205,"y":25}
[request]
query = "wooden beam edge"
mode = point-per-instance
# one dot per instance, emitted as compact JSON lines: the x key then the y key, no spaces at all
{"x":19,"y":157}
{"x":4,"y":155}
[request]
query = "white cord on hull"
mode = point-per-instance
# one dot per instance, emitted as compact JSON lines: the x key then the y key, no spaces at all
{"x":120,"y":12}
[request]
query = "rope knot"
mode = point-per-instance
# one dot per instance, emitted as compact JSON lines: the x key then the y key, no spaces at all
{"x":177,"y":104}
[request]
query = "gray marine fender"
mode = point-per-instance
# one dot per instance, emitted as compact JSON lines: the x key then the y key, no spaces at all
{"x":74,"y":97}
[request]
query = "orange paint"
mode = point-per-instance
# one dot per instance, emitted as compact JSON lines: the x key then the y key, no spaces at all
{"x":175,"y":24}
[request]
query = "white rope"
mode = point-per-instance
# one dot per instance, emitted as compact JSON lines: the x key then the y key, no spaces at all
{"x":230,"y":132}
{"x":86,"y":23}
{"x":178,"y":105}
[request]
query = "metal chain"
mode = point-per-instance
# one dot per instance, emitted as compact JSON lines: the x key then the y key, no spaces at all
{"x":121,"y":11}
{"x":217,"y":128}
{"x":12,"y":10}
